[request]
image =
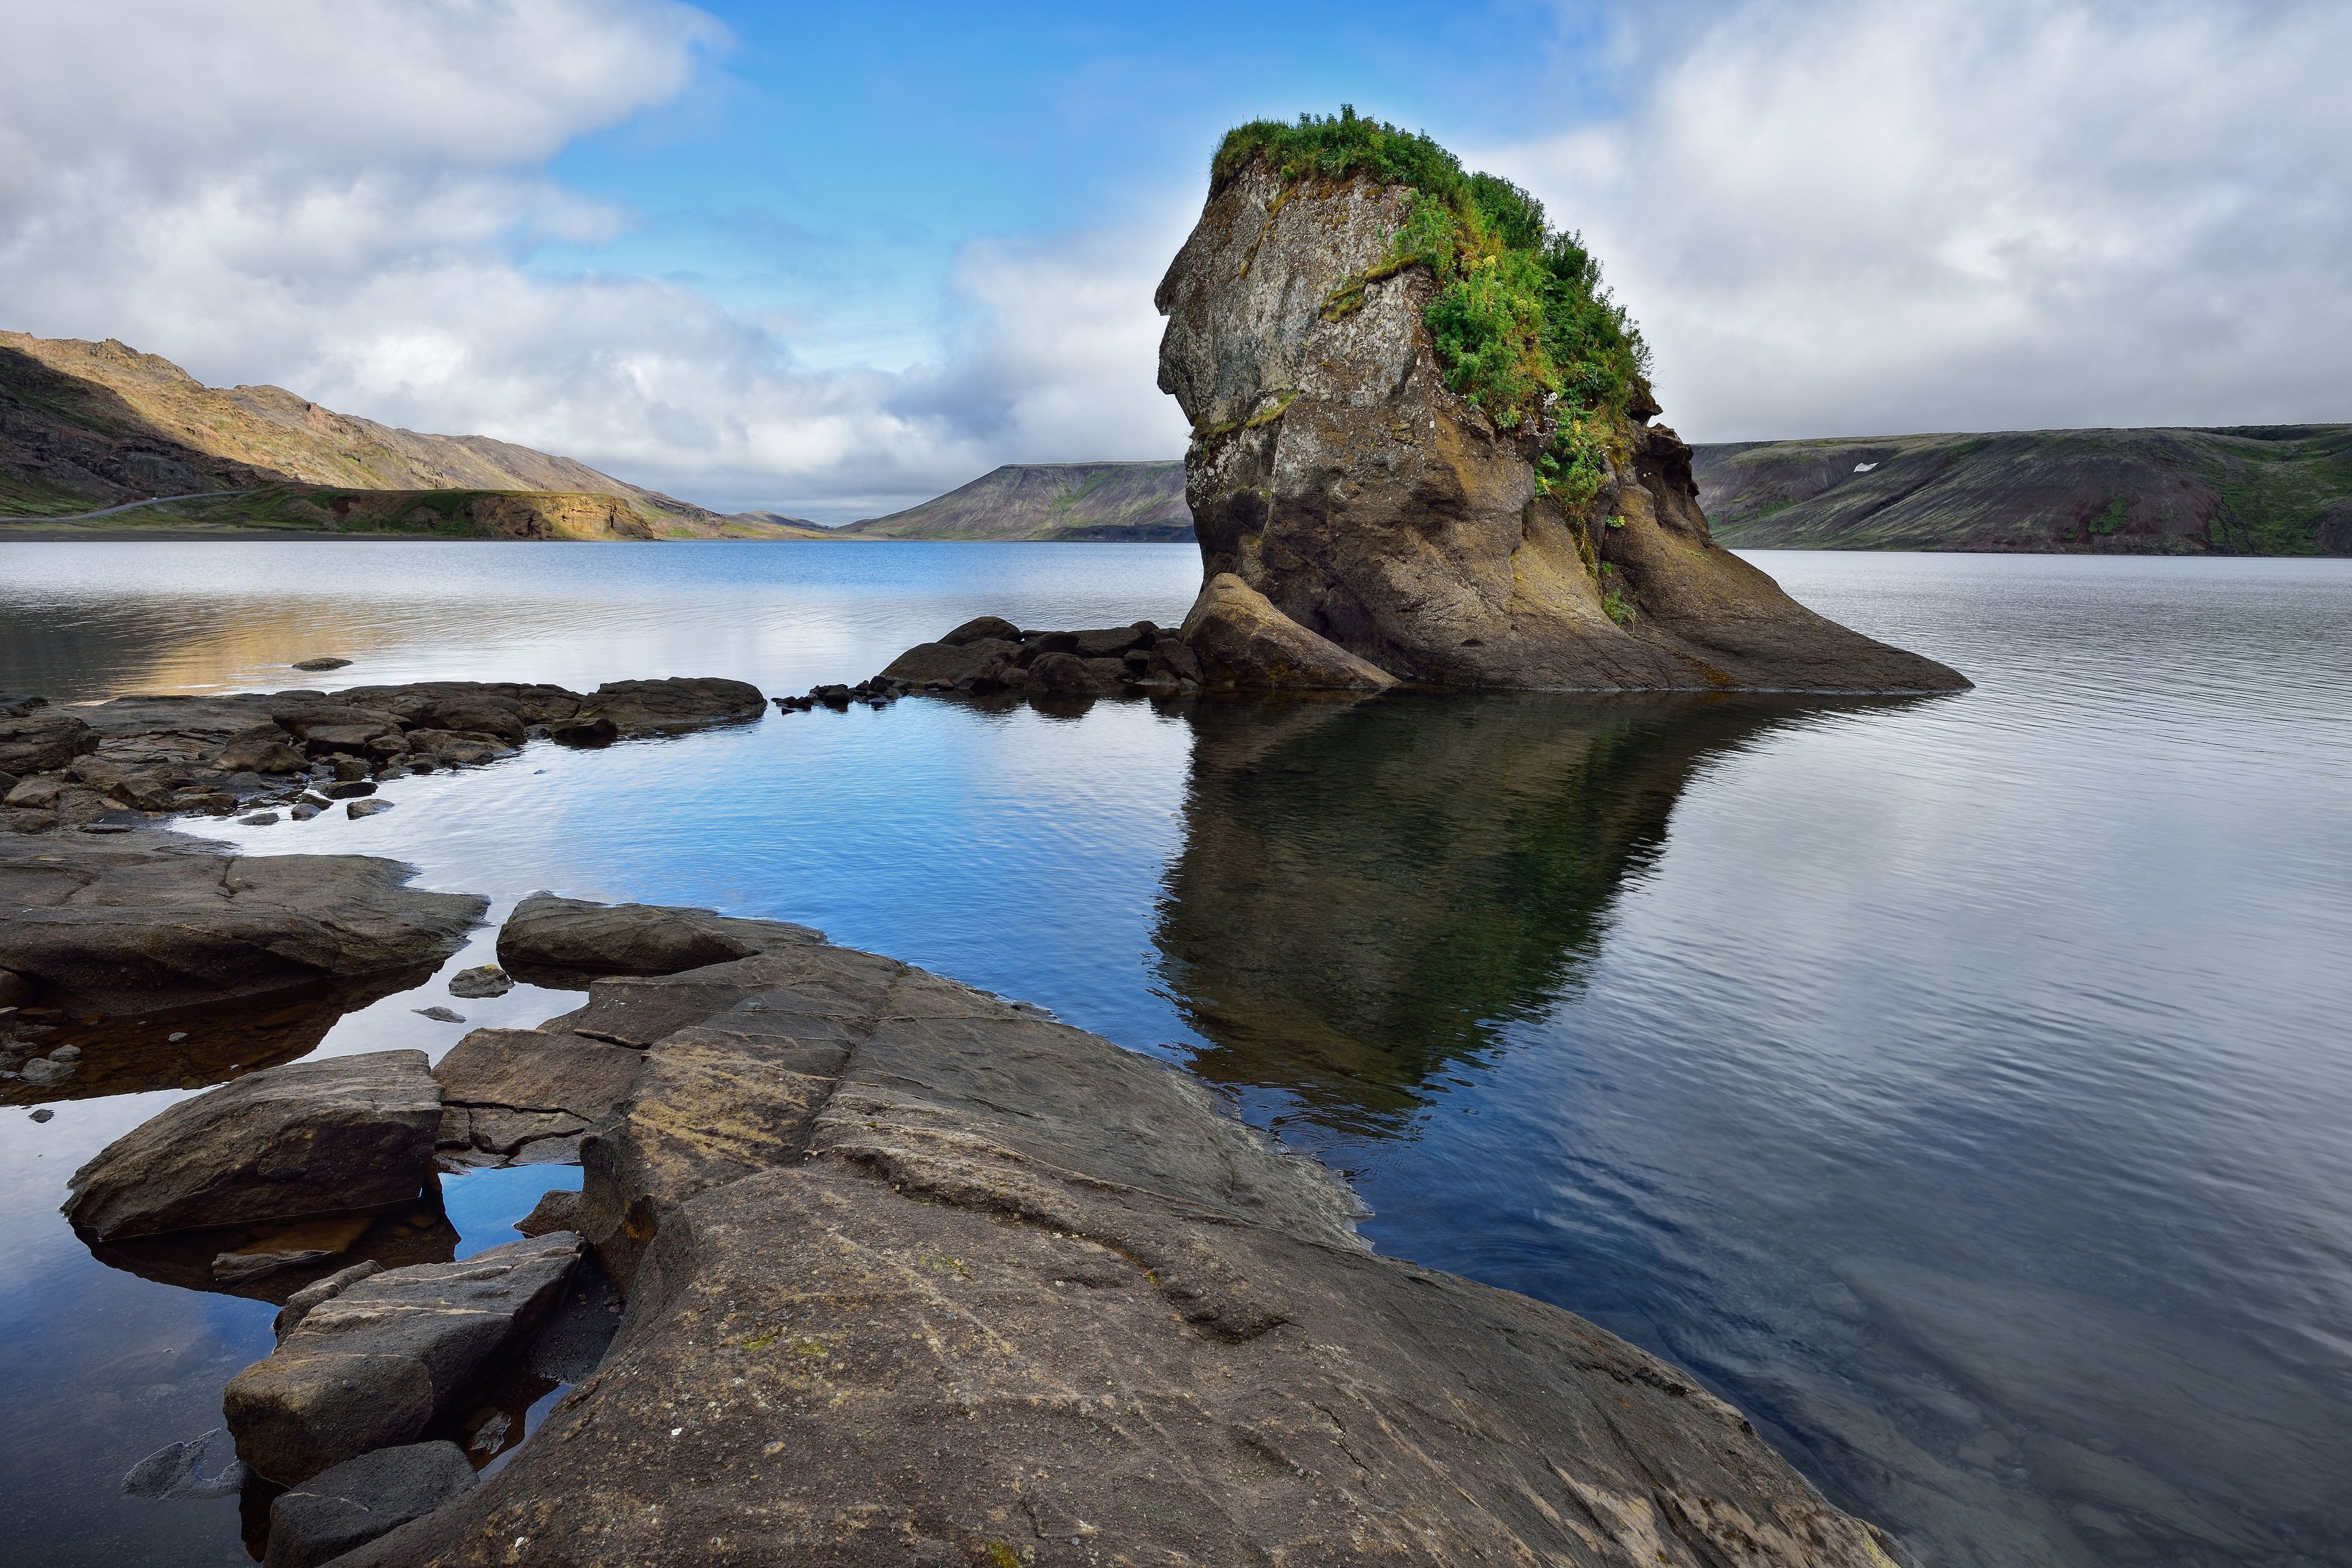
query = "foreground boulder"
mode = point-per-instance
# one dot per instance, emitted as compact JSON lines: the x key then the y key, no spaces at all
{"x":333,"y":1137}
{"x":990,"y":656}
{"x":1334,"y":470}
{"x":371,"y":1366}
{"x":917,"y":1274}
{"x":1242,"y":641}
{"x":557,"y":939}
{"x":362,"y":1498}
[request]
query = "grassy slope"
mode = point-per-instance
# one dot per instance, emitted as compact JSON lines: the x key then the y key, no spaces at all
{"x":329,"y":511}
{"x":1048,"y":501}
{"x":2252,"y":491}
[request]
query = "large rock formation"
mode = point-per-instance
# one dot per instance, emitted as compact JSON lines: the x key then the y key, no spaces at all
{"x":917,"y":1274}
{"x":1333,"y":472}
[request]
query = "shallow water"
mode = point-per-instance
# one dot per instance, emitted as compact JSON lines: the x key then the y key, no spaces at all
{"x":1960,"y":1086}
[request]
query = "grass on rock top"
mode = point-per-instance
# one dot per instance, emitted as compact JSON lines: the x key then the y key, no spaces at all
{"x":1524,"y":330}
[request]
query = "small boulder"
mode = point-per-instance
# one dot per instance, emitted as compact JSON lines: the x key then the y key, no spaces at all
{"x":572,"y":936}
{"x":319,"y":664}
{"x":336,"y":1136}
{"x":261,"y":750}
{"x":371,"y":1366}
{"x":359,"y":1499}
{"x":360,"y":808}
{"x":482,"y":979}
{"x":558,"y":1210}
{"x":259,"y":819}
{"x":42,"y":741}
{"x":1242,"y":640}
{"x":587,"y":733}
{"x":982,"y":626}
{"x":348,"y":789}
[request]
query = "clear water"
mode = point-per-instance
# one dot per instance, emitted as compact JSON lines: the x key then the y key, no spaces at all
{"x":1961,"y":1087}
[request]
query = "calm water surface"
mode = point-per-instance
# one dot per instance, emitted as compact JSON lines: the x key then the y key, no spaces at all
{"x":1961,"y":1087}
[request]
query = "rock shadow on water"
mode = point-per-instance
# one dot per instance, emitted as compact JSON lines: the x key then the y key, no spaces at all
{"x":1369,"y":894}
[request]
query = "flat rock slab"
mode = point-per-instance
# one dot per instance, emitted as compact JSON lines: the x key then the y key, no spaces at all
{"x":149,"y":922}
{"x":371,"y":1365}
{"x":362,"y":1498}
{"x":570,"y":940}
{"x":525,"y":1096}
{"x":915,"y":1274}
{"x":337,"y":1136}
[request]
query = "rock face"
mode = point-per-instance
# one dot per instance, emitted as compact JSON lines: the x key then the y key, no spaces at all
{"x":362,"y":1498}
{"x":311,"y":1138}
{"x":371,"y":1365}
{"x":525,"y":1096}
{"x":143,"y":924}
{"x":1332,"y":471}
{"x":916,"y":1274}
{"x":1242,"y":640}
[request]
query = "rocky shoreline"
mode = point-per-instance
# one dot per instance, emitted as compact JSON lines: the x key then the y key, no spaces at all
{"x":911,"y":1272}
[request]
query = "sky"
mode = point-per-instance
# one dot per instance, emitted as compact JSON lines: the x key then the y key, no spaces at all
{"x":835,"y":261}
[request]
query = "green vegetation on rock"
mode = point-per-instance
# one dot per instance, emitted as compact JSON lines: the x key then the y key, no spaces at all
{"x":1524,"y":330}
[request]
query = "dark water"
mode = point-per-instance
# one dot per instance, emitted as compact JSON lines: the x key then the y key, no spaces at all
{"x":1961,"y":1087}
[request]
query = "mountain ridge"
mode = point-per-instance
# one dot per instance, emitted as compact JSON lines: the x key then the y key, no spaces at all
{"x":1050,"y":502}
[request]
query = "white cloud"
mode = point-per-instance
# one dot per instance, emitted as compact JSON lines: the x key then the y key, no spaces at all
{"x":1854,"y":217}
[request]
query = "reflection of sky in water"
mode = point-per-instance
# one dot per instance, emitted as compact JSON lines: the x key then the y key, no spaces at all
{"x":1959,"y":1085}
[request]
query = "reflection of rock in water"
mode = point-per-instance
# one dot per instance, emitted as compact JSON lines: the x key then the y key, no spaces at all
{"x":210,"y":1259}
{"x":1367,"y":892}
{"x":190,"y":1048}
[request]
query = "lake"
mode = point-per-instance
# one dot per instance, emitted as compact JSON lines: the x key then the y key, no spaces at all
{"x":1960,"y":1086}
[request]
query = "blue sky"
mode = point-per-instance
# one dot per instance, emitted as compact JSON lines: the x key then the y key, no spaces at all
{"x":835,"y":260}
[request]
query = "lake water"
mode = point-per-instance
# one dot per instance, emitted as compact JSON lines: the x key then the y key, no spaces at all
{"x":1962,"y":1087}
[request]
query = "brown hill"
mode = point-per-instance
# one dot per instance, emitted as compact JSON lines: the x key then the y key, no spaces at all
{"x":1064,"y":502}
{"x":87,"y":425}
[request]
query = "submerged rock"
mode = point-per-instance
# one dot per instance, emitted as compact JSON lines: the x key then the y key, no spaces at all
{"x":311,"y":1138}
{"x":1332,"y":470}
{"x":482,"y":979}
{"x":362,"y":1498}
{"x":372,"y":1364}
{"x":907,"y":1264}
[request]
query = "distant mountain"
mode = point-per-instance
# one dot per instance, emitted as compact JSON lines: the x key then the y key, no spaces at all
{"x":1096,"y":503}
{"x":85,"y":425}
{"x":783,"y":520}
{"x":2259,"y":490}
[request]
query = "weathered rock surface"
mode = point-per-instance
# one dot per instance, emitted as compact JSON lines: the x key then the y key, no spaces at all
{"x":371,"y":1365}
{"x":1331,"y":470}
{"x":218,"y":754}
{"x":146,"y":923}
{"x":362,"y":1498}
{"x":525,"y":1096}
{"x":1242,"y":640}
{"x":556,"y":940}
{"x":327,"y":1137}
{"x":915,"y":1274}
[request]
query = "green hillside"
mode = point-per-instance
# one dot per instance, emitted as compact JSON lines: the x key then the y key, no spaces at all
{"x":1095,"y":502}
{"x":2281,"y":490}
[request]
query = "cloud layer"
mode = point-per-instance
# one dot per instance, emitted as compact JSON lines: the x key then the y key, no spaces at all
{"x":1953,"y":215}
{"x":1836,"y":217}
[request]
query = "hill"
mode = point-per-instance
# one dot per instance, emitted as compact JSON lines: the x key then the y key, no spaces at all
{"x":2246,"y":490}
{"x":88,"y":426}
{"x":1095,"y":502}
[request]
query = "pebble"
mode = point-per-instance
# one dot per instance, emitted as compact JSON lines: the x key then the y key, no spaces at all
{"x":43,"y":1114}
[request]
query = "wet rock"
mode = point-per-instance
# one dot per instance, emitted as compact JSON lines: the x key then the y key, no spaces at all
{"x":482,"y":979}
{"x":1241,"y":640}
{"x":360,"y":808}
{"x":317,"y":664}
{"x":141,"y":927}
{"x":174,"y":1471}
{"x":298,"y":1306}
{"x":302,"y":813}
{"x":42,"y":741}
{"x":907,"y":1262}
{"x":43,"y":1114}
{"x":982,"y":629}
{"x":347,"y":770}
{"x":330,"y":1137}
{"x":527,"y":1096}
{"x":567,"y":940}
{"x":587,"y":733}
{"x":259,"y":819}
{"x":362,"y":1498}
{"x":35,"y":794}
{"x":439,"y":1015}
{"x":371,"y":1366}
{"x":348,"y":789}
{"x":674,"y":706}
{"x":294,"y":1247}
{"x":43,"y":1072}
{"x":262,"y":749}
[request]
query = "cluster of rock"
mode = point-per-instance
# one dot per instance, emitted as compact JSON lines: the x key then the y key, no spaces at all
{"x":97,"y":765}
{"x":991,"y":656}
{"x":916,"y":1272}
